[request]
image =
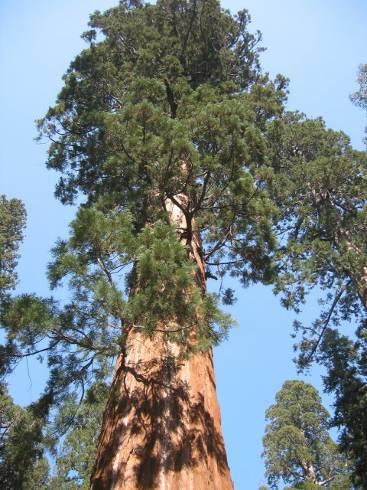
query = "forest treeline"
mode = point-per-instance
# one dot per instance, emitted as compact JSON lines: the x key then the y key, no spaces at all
{"x":186,"y":167}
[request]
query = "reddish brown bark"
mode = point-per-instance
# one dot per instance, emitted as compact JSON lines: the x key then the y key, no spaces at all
{"x":161,"y":427}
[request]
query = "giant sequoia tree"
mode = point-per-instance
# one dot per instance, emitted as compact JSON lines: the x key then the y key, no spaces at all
{"x":187,"y":167}
{"x":162,"y":127}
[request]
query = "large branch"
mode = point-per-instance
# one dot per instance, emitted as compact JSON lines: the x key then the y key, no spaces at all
{"x":326,"y":322}
{"x":197,"y":207}
{"x":220,"y":243}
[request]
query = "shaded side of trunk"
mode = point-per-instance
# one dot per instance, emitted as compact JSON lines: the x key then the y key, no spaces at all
{"x":162,"y":426}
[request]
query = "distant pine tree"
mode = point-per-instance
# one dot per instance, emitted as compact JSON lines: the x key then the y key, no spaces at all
{"x":297,"y":446}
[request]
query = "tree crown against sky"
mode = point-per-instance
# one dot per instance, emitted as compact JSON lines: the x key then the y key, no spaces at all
{"x":145,"y":115}
{"x":92,"y":180}
{"x":297,"y":446}
{"x":322,"y":195}
{"x":323,"y":248}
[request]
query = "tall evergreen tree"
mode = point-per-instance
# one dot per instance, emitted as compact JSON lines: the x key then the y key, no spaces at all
{"x":170,"y":135}
{"x":297,"y":446}
{"x":321,"y":190}
{"x":22,"y":464}
{"x":12,"y":220}
{"x":163,"y":126}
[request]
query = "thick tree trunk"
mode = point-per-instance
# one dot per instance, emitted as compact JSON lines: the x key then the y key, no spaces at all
{"x":161,"y":427}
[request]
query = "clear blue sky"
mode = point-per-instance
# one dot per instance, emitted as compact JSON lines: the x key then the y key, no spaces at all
{"x":317,"y":44}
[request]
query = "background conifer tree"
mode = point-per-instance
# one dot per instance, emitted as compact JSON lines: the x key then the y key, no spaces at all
{"x":185,"y":167}
{"x":321,"y":190}
{"x":12,"y":220}
{"x":297,"y":446}
{"x":22,"y":461}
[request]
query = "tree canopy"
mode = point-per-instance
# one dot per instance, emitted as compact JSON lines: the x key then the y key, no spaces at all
{"x":297,"y":446}
{"x":167,"y":111}
{"x":321,"y":191}
{"x":166,"y":108}
{"x":175,"y":113}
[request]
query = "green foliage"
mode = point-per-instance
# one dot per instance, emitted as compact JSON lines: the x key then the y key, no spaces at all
{"x":345,"y":361}
{"x":340,"y":482}
{"x":297,"y":446}
{"x":151,"y":58}
{"x":12,"y":221}
{"x":22,"y":464}
{"x":163,"y":294}
{"x":75,"y":456}
{"x":321,"y":191}
{"x":27,"y":318}
{"x":167,"y":296}
{"x":304,"y":486}
{"x":325,"y":228}
{"x":155,"y":91}
{"x":164,"y":275}
{"x":166,"y":106}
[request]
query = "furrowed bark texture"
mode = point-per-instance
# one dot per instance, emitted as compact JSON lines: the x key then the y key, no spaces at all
{"x":162,"y":427}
